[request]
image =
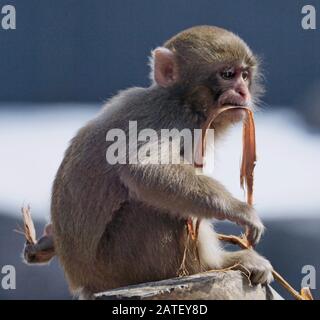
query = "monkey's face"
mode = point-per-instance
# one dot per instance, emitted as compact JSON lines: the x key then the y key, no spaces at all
{"x":208,"y":67}
{"x":227,"y":85}
{"x":234,"y":85}
{"x":232,"y":88}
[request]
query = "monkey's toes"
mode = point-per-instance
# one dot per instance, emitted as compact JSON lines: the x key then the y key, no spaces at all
{"x":256,"y":267}
{"x":262,"y":275}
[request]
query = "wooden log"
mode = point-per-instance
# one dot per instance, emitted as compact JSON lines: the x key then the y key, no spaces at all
{"x":213,"y":285}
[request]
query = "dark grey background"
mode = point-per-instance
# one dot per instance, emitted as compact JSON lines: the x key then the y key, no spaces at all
{"x":71,"y":50}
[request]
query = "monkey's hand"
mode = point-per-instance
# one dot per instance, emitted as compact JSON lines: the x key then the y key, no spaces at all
{"x":248,"y":218}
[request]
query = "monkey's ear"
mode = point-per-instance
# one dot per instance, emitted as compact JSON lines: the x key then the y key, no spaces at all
{"x":163,"y":67}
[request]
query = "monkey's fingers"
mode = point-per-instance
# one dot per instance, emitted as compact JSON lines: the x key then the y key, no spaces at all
{"x":254,"y":233}
{"x":253,"y":237}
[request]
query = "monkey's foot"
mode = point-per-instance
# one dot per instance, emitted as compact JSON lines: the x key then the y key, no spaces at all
{"x":256,"y":268}
{"x":36,"y":251}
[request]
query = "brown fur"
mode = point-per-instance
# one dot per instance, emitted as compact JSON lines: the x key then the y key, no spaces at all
{"x":116,"y":225}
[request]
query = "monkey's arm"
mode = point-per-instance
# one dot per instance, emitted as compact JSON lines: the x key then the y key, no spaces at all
{"x":179,"y":190}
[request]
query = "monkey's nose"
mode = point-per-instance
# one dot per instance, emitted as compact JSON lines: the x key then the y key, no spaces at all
{"x":242,"y":90}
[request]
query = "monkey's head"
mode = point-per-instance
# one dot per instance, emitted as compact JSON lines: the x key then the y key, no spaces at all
{"x":210,"y":68}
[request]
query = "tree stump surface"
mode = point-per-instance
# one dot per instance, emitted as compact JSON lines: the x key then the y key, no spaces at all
{"x":212,"y":285}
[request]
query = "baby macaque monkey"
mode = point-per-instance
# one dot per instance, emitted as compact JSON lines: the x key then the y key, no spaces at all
{"x":121,"y":224}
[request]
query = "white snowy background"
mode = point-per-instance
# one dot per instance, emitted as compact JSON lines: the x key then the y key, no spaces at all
{"x":32,"y":144}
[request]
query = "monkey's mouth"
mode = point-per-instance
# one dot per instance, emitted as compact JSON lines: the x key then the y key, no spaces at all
{"x":235,"y":114}
{"x":230,"y":100}
{"x":233,"y":104}
{"x":230,"y":104}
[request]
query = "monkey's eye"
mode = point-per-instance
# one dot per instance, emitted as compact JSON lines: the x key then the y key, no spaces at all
{"x":245,"y":75}
{"x":228,"y":74}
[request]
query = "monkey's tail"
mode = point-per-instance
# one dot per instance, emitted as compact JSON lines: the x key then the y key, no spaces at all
{"x":36,"y":251}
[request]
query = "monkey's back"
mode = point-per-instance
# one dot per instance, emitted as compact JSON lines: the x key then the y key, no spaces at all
{"x":103,"y":238}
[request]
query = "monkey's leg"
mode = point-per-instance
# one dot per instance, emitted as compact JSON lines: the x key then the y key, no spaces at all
{"x":259,"y":268}
{"x":212,"y":256}
{"x":210,"y":252}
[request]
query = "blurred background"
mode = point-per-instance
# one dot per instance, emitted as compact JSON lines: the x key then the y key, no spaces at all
{"x":65,"y":58}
